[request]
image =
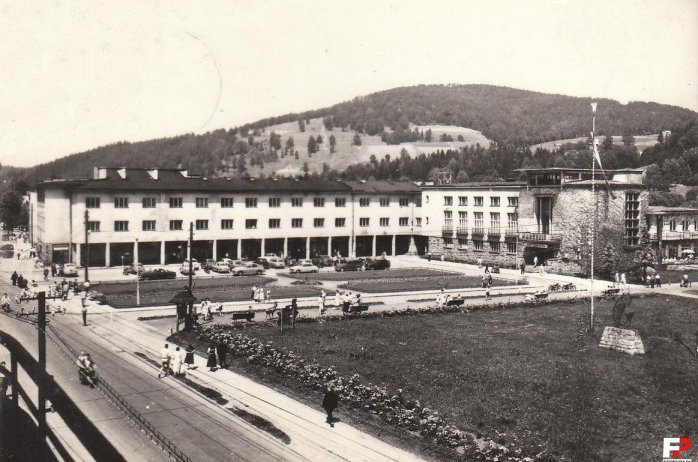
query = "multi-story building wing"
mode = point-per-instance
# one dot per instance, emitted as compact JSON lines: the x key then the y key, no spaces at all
{"x":673,"y":231}
{"x":145,"y":215}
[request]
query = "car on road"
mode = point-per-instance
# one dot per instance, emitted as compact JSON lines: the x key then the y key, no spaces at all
{"x":7,"y":251}
{"x":305,"y":266}
{"x":194,"y":263}
{"x":351,"y":264}
{"x":208,"y":265}
{"x":323,"y":261}
{"x":247,"y":268}
{"x":134,"y":268}
{"x":377,"y":264}
{"x":184,"y":269}
{"x":221,"y":267}
{"x":69,"y":270}
{"x":157,"y":273}
{"x":271,"y":262}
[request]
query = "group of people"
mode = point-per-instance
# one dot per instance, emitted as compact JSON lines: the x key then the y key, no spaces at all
{"x":621,"y":280}
{"x":345,"y":299}
{"x":19,"y":281}
{"x":653,"y":280}
{"x":174,"y":362}
{"x":205,"y":310}
{"x":259,"y":295}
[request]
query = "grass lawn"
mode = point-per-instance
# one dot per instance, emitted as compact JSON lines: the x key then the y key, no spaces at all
{"x":383,"y":274}
{"x":224,"y":289}
{"x":675,"y":276}
{"x":531,"y":373}
{"x":409,"y":285}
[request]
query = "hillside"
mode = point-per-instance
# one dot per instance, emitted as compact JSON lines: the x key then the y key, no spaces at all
{"x":411,"y":120}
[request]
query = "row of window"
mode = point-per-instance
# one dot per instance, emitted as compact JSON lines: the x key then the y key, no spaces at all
{"x":512,"y":218}
{"x":685,"y":225}
{"x":250,"y":202}
{"x":479,"y":244}
{"x":274,"y":223}
{"x":478,"y":201}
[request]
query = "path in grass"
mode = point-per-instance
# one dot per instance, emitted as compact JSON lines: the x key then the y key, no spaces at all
{"x":528,"y":373}
{"x":417,"y":284}
{"x":384,"y":274}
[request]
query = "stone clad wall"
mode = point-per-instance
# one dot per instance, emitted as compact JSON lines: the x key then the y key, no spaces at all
{"x":470,"y":255}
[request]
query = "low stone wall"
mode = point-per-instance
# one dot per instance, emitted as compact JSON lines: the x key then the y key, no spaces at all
{"x":623,"y":340}
{"x":470,"y":255}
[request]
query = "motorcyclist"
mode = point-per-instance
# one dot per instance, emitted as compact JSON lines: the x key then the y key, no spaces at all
{"x":5,"y":302}
{"x":86,"y":369}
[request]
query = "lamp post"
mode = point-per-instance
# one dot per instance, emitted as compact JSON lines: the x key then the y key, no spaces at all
{"x":87,"y":246}
{"x":138,"y":281}
{"x":122,"y":263}
{"x":593,"y":217}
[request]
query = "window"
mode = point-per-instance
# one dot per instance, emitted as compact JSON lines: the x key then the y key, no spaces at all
{"x":148,"y":225}
{"x":296,"y":202}
{"x":448,"y":242}
{"x":364,"y":202}
{"x":448,"y":219}
{"x":513,"y":201}
{"x":419,"y":221}
{"x":121,"y":202}
{"x":226,"y":202}
{"x":202,"y":202}
{"x":274,"y":223}
{"x":364,"y":222}
{"x":250,"y":202}
{"x":479,"y":221}
{"x":511,"y":246}
{"x":175,"y":225}
{"x":632,"y":219}
{"x":463,"y":219}
{"x":385,"y":202}
{"x":478,"y":244}
{"x":93,"y":226}
{"x":495,"y":246}
{"x":340,"y":202}
{"x":672,"y":225}
{"x":227,"y":224}
{"x":494,"y":201}
{"x":512,"y":222}
{"x":296,"y":223}
{"x":684,"y":225}
{"x":462,"y":243}
{"x":448,"y":201}
{"x":92,"y":202}
{"x":340,"y":222}
{"x":418,"y":202}
{"x":404,"y":221}
{"x":494,"y":220}
{"x":318,"y":202}
{"x":385,"y":221}
{"x":319,"y":222}
{"x":175,"y":202}
{"x":251,"y":223}
{"x":274,"y":202}
{"x":121,"y":226}
{"x":404,"y":202}
{"x":478,"y":201}
{"x":462,"y":200}
{"x":149,"y":202}
{"x":201,"y":224}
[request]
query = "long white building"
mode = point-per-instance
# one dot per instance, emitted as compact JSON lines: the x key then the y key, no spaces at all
{"x":144,"y":215}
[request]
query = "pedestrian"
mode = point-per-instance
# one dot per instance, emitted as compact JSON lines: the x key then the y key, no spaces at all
{"x":329,"y":403}
{"x":338,"y":298}
{"x":523,"y":266}
{"x":45,"y":274}
{"x":489,"y":279}
{"x":84,"y":315}
{"x":658,"y":280}
{"x":211,"y":361}
{"x":14,"y":278}
{"x":651,"y":279}
{"x":624,"y":280}
{"x":222,"y":352}
{"x":209,"y":315}
{"x":484,"y":281}
{"x":268,"y":295}
{"x":487,"y":293}
{"x":165,"y":359}
{"x":53,"y":270}
{"x":321,"y":305}
{"x":429,"y":256}
{"x":220,"y":309}
{"x":617,"y":279}
{"x":487,"y":269}
{"x":189,"y":356}
{"x":177,"y":362}
{"x":254,"y":292}
{"x":83,"y":298}
{"x":535,"y":261}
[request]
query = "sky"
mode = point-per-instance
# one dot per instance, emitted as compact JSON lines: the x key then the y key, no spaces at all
{"x":76,"y":75}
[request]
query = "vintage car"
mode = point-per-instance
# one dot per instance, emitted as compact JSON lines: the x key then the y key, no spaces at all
{"x":157,"y":273}
{"x":194,"y":263}
{"x":305,"y":266}
{"x":69,"y":270}
{"x":323,"y":261}
{"x":134,"y":268}
{"x":247,"y":268}
{"x":377,"y":264}
{"x":221,"y":267}
{"x":351,"y":264}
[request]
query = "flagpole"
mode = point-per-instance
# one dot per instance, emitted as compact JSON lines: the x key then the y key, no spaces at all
{"x":593,"y":223}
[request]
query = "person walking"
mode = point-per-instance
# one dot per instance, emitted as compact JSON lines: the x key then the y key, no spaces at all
{"x":321,"y":305}
{"x":254,"y":292}
{"x":329,"y":403}
{"x":84,"y":315}
{"x":268,"y":295}
{"x":338,"y":298}
{"x":523,"y":266}
{"x":165,"y":358}
{"x":487,"y":293}
{"x":624,"y":280}
{"x":189,"y":356}
{"x":222,"y":352}
{"x":45,"y":274}
{"x":535,"y":261}
{"x":14,"y":278}
{"x":617,"y":279}
{"x":657,"y":280}
{"x":177,"y":362}
{"x":53,"y":270}
{"x":211,"y":361}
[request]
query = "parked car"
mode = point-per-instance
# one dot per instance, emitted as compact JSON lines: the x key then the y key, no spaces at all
{"x":208,"y":265}
{"x":7,"y":251}
{"x":323,"y":261}
{"x":377,"y":264}
{"x":157,"y":273}
{"x":70,"y":270}
{"x":184,"y":269}
{"x":305,"y":266}
{"x":221,"y":267}
{"x":134,"y":268}
{"x":276,"y":262}
{"x":194,"y":263}
{"x":247,"y":268}
{"x":351,"y":264}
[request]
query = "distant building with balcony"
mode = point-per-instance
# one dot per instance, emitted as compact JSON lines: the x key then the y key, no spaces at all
{"x":672,"y":231}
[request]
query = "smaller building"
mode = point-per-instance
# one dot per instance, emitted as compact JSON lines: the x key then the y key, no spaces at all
{"x":673,"y":231}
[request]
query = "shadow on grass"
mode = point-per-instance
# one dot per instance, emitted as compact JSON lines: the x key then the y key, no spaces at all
{"x":261,"y":423}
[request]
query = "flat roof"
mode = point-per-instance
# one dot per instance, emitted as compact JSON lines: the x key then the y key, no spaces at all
{"x":480,"y":185}
{"x":664,"y":210}
{"x":566,"y":169}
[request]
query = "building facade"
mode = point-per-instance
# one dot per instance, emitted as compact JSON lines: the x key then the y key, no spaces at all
{"x":144,"y":215}
{"x":673,"y":231}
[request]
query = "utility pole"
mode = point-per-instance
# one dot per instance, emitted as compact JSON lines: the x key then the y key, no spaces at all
{"x":138,"y":281}
{"x":593,"y":219}
{"x":191,"y":268}
{"x":87,"y":246}
{"x":41,"y":324}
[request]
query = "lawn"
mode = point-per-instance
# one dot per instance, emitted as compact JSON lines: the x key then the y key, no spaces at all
{"x":226,"y":289}
{"x":529,"y":375}
{"x":417,"y":284}
{"x":383,"y":274}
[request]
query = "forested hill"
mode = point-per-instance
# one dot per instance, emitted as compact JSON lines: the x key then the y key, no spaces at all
{"x":511,"y":117}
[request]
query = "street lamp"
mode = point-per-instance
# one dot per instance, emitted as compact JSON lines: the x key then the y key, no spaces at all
{"x":138,"y":281}
{"x":122,"y":263}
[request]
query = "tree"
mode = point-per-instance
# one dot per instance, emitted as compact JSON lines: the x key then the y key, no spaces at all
{"x":462,"y":177}
{"x":312,"y":145}
{"x":357,"y":140}
{"x":250,"y":140}
{"x":301,"y":125}
{"x":628,"y":139}
{"x":428,"y":137}
{"x":306,"y":169}
{"x":11,"y":209}
{"x":289,"y":144}
{"x":460,"y":138}
{"x":609,"y":260}
{"x":328,"y":122}
{"x":333,"y":143}
{"x":660,"y":136}
{"x":607,"y":143}
{"x":275,"y":141}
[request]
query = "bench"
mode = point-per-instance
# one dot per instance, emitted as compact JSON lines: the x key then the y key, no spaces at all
{"x":540,"y":295}
{"x":248,"y":315}
{"x":358,"y":308}
{"x":455,"y":302}
{"x":611,"y":291}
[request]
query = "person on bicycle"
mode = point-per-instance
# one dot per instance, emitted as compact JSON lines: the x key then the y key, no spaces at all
{"x":5,"y":302}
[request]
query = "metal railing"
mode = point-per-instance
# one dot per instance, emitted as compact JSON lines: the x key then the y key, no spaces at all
{"x":540,"y":237}
{"x":675,"y":235}
{"x":477,"y":231}
{"x":462,"y":231}
{"x":494,"y":231}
